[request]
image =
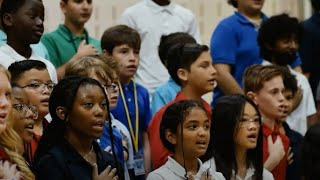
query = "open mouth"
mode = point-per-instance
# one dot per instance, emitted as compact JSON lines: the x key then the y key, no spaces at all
{"x":252,"y":137}
{"x":202,"y":144}
{"x":3,"y":117}
{"x":213,"y":82}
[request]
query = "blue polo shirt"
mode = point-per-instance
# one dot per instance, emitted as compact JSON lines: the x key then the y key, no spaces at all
{"x":143,"y":106}
{"x":234,"y":42}
{"x":164,"y":94}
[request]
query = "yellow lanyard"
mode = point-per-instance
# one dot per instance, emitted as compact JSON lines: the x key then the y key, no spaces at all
{"x":134,"y":136}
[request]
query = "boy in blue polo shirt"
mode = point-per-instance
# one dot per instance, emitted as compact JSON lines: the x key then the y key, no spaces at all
{"x":234,"y":45}
{"x":133,"y":108}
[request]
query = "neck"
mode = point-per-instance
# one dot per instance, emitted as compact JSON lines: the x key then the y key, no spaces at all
{"x":38,"y":126}
{"x":74,"y":28}
{"x":125,"y":80}
{"x":161,"y":2}
{"x":22,"y":49}
{"x":269,"y":122}
{"x":241,"y":158}
{"x":82,"y":144}
{"x":191,"y":163}
{"x":190,"y":93}
{"x":251,"y":15}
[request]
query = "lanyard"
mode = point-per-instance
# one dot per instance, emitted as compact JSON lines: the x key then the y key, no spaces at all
{"x":86,"y":36}
{"x":134,"y":135}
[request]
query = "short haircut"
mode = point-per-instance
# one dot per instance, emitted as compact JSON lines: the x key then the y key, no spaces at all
{"x":16,"y":69}
{"x":289,"y":81}
{"x":276,"y":28}
{"x":182,"y":56}
{"x":315,"y":5}
{"x":88,"y":64}
{"x":234,"y":3}
{"x":168,"y":41}
{"x":255,"y":76}
{"x":120,"y":35}
{"x":174,"y":116}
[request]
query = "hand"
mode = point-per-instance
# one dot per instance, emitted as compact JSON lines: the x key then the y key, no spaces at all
{"x":290,"y":156}
{"x":8,"y":171}
{"x":86,"y":49}
{"x":276,"y":149}
{"x":107,"y":174}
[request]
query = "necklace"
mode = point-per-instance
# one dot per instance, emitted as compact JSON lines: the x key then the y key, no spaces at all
{"x":85,"y":156}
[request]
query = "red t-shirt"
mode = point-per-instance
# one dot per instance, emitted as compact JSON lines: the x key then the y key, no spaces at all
{"x":159,"y":154}
{"x":279,"y":172}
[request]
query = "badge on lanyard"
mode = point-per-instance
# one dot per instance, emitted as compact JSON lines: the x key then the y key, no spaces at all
{"x":138,"y":165}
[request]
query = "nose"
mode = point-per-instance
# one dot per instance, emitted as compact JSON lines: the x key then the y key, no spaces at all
{"x":31,"y":115}
{"x":98,"y":111}
{"x":133,"y":56}
{"x":294,"y":45}
{"x":45,"y":89}
{"x":252,"y":125}
{"x":213,"y":70}
{"x":85,"y":4}
{"x":203,"y":132}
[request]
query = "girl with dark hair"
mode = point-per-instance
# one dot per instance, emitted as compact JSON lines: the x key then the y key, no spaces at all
{"x":184,"y":131}
{"x":236,"y":144}
{"x":68,"y":150}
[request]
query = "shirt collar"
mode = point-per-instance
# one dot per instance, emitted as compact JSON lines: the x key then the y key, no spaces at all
{"x":177,"y":169}
{"x":15,"y":55}
{"x":129,"y":86}
{"x":157,"y":9}
{"x":3,"y":36}
{"x":249,"y":174}
{"x":245,"y":20}
{"x":267,"y":131}
{"x":64,"y":32}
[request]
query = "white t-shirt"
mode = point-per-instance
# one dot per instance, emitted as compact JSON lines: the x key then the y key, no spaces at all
{"x":152,"y":21}
{"x":266,"y":175}
{"x":8,"y":56}
{"x":297,"y":119}
{"x":173,"y":170}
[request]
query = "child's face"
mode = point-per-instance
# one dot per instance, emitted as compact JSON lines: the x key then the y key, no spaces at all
{"x":23,"y":117}
{"x":27,"y":22}
{"x":109,"y":89}
{"x":77,"y":12}
{"x":196,"y":133}
{"x":5,"y":101}
{"x":38,"y":86}
{"x":128,"y":60}
{"x":253,"y":6}
{"x":288,"y":101}
{"x":246,"y":134}
{"x":270,"y":99}
{"x":89,"y":112}
{"x":202,"y":74}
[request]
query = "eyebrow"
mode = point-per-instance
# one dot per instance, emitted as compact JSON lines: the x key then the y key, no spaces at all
{"x":197,"y":121}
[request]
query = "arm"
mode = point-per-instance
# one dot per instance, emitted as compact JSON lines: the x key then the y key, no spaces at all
{"x":226,"y":81}
{"x":146,"y":153}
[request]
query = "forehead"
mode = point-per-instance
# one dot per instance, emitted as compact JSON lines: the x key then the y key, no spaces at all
{"x":204,"y":57}
{"x":90,"y":91}
{"x":249,"y":110}
{"x":34,"y":75}
{"x":196,"y":114}
{"x":274,"y":83}
{"x":34,"y":5}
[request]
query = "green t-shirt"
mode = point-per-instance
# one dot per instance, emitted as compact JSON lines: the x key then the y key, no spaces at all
{"x":62,"y":45}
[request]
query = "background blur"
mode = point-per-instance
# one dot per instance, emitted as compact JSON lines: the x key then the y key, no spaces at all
{"x":208,"y":13}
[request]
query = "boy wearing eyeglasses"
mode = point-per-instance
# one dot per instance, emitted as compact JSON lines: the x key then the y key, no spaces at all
{"x":33,"y":77}
{"x":264,"y":85}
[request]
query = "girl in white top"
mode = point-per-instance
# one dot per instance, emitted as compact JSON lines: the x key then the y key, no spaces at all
{"x":235,"y":148}
{"x":184,"y":130}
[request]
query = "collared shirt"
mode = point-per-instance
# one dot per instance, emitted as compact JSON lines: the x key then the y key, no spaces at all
{"x":152,"y":21}
{"x":8,"y":56}
{"x":297,"y":119}
{"x":234,"y":42}
{"x":64,"y":162}
{"x":279,"y":172}
{"x":62,"y":45}
{"x":39,"y":48}
{"x":173,"y":170}
{"x":164,"y":94}
{"x":143,"y":106}
{"x":159,"y":153}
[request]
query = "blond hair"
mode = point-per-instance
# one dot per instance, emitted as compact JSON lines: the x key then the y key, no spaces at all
{"x":12,"y":143}
{"x":88,"y":64}
{"x":255,"y":76}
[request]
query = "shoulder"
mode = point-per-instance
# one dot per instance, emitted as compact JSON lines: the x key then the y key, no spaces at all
{"x":160,"y":173}
{"x":187,"y":13}
{"x":267,"y":175}
{"x":142,"y":90}
{"x":134,"y":9}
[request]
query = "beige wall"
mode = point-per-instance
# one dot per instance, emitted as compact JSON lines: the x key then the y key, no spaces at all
{"x":208,"y":13}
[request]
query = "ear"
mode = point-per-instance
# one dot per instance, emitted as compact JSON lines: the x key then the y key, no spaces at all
{"x":63,"y":6}
{"x":61,"y":112}
{"x":252,"y":96}
{"x":7,"y":19}
{"x":172,"y":138}
{"x":106,"y":53}
{"x":182,"y":74}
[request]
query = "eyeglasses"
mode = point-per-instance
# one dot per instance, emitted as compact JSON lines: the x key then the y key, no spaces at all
{"x":40,"y":87}
{"x":111,"y":88}
{"x":23,"y":109}
{"x":246,"y":122}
